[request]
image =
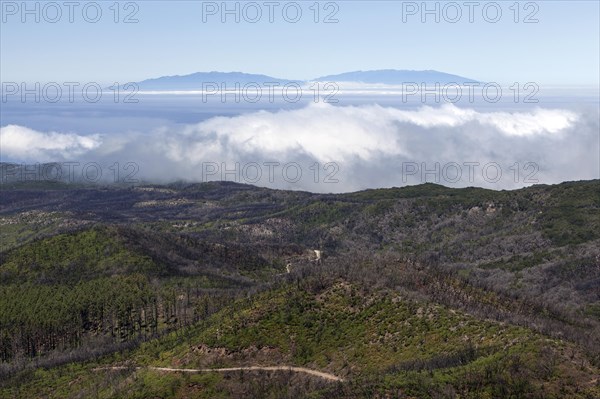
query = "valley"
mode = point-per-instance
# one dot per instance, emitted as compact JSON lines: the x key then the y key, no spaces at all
{"x":228,"y":290}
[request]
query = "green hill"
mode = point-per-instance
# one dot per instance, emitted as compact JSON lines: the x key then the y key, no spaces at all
{"x":413,"y":292}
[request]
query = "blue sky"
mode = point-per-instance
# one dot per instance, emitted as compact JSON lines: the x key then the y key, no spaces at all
{"x":171,"y":38}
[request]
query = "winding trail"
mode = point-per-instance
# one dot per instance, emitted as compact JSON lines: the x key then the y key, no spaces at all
{"x":304,"y":370}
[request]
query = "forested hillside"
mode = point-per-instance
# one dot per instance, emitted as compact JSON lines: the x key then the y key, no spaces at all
{"x":415,"y":292}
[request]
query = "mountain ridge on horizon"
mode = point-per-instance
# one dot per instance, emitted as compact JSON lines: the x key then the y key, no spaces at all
{"x":196,"y":80}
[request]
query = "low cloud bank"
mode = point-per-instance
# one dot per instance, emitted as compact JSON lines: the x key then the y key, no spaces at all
{"x":329,"y":148}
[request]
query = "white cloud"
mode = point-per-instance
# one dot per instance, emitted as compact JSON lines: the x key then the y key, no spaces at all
{"x":329,"y":133}
{"x":25,"y":144}
{"x":538,"y":121}
{"x":370,"y":144}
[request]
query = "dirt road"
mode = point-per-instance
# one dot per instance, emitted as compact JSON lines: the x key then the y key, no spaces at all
{"x":316,"y":373}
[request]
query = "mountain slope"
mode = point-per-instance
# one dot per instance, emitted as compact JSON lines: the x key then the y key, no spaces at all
{"x":396,"y":77}
{"x":208,"y":80}
{"x":214,"y":80}
{"x":418,"y":291}
{"x":381,"y":343}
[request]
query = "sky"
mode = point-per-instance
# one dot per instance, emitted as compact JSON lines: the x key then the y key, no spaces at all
{"x":363,"y":141}
{"x":560,"y":45}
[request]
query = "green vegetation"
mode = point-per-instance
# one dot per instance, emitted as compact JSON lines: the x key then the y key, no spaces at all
{"x":381,"y":342}
{"x":74,"y":257}
{"x":420,"y":292}
{"x":572,"y":214}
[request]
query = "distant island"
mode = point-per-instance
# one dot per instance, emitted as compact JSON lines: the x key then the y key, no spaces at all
{"x":199,"y":80}
{"x":396,"y":77}
{"x":195,"y":81}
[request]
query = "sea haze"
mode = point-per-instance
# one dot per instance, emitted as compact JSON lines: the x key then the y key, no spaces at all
{"x":159,"y":108}
{"x":374,"y":134}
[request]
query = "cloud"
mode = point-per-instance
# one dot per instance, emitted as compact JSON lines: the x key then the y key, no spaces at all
{"x":371,"y":146}
{"x":328,"y":133}
{"x":323,"y":132}
{"x":19,"y":142}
